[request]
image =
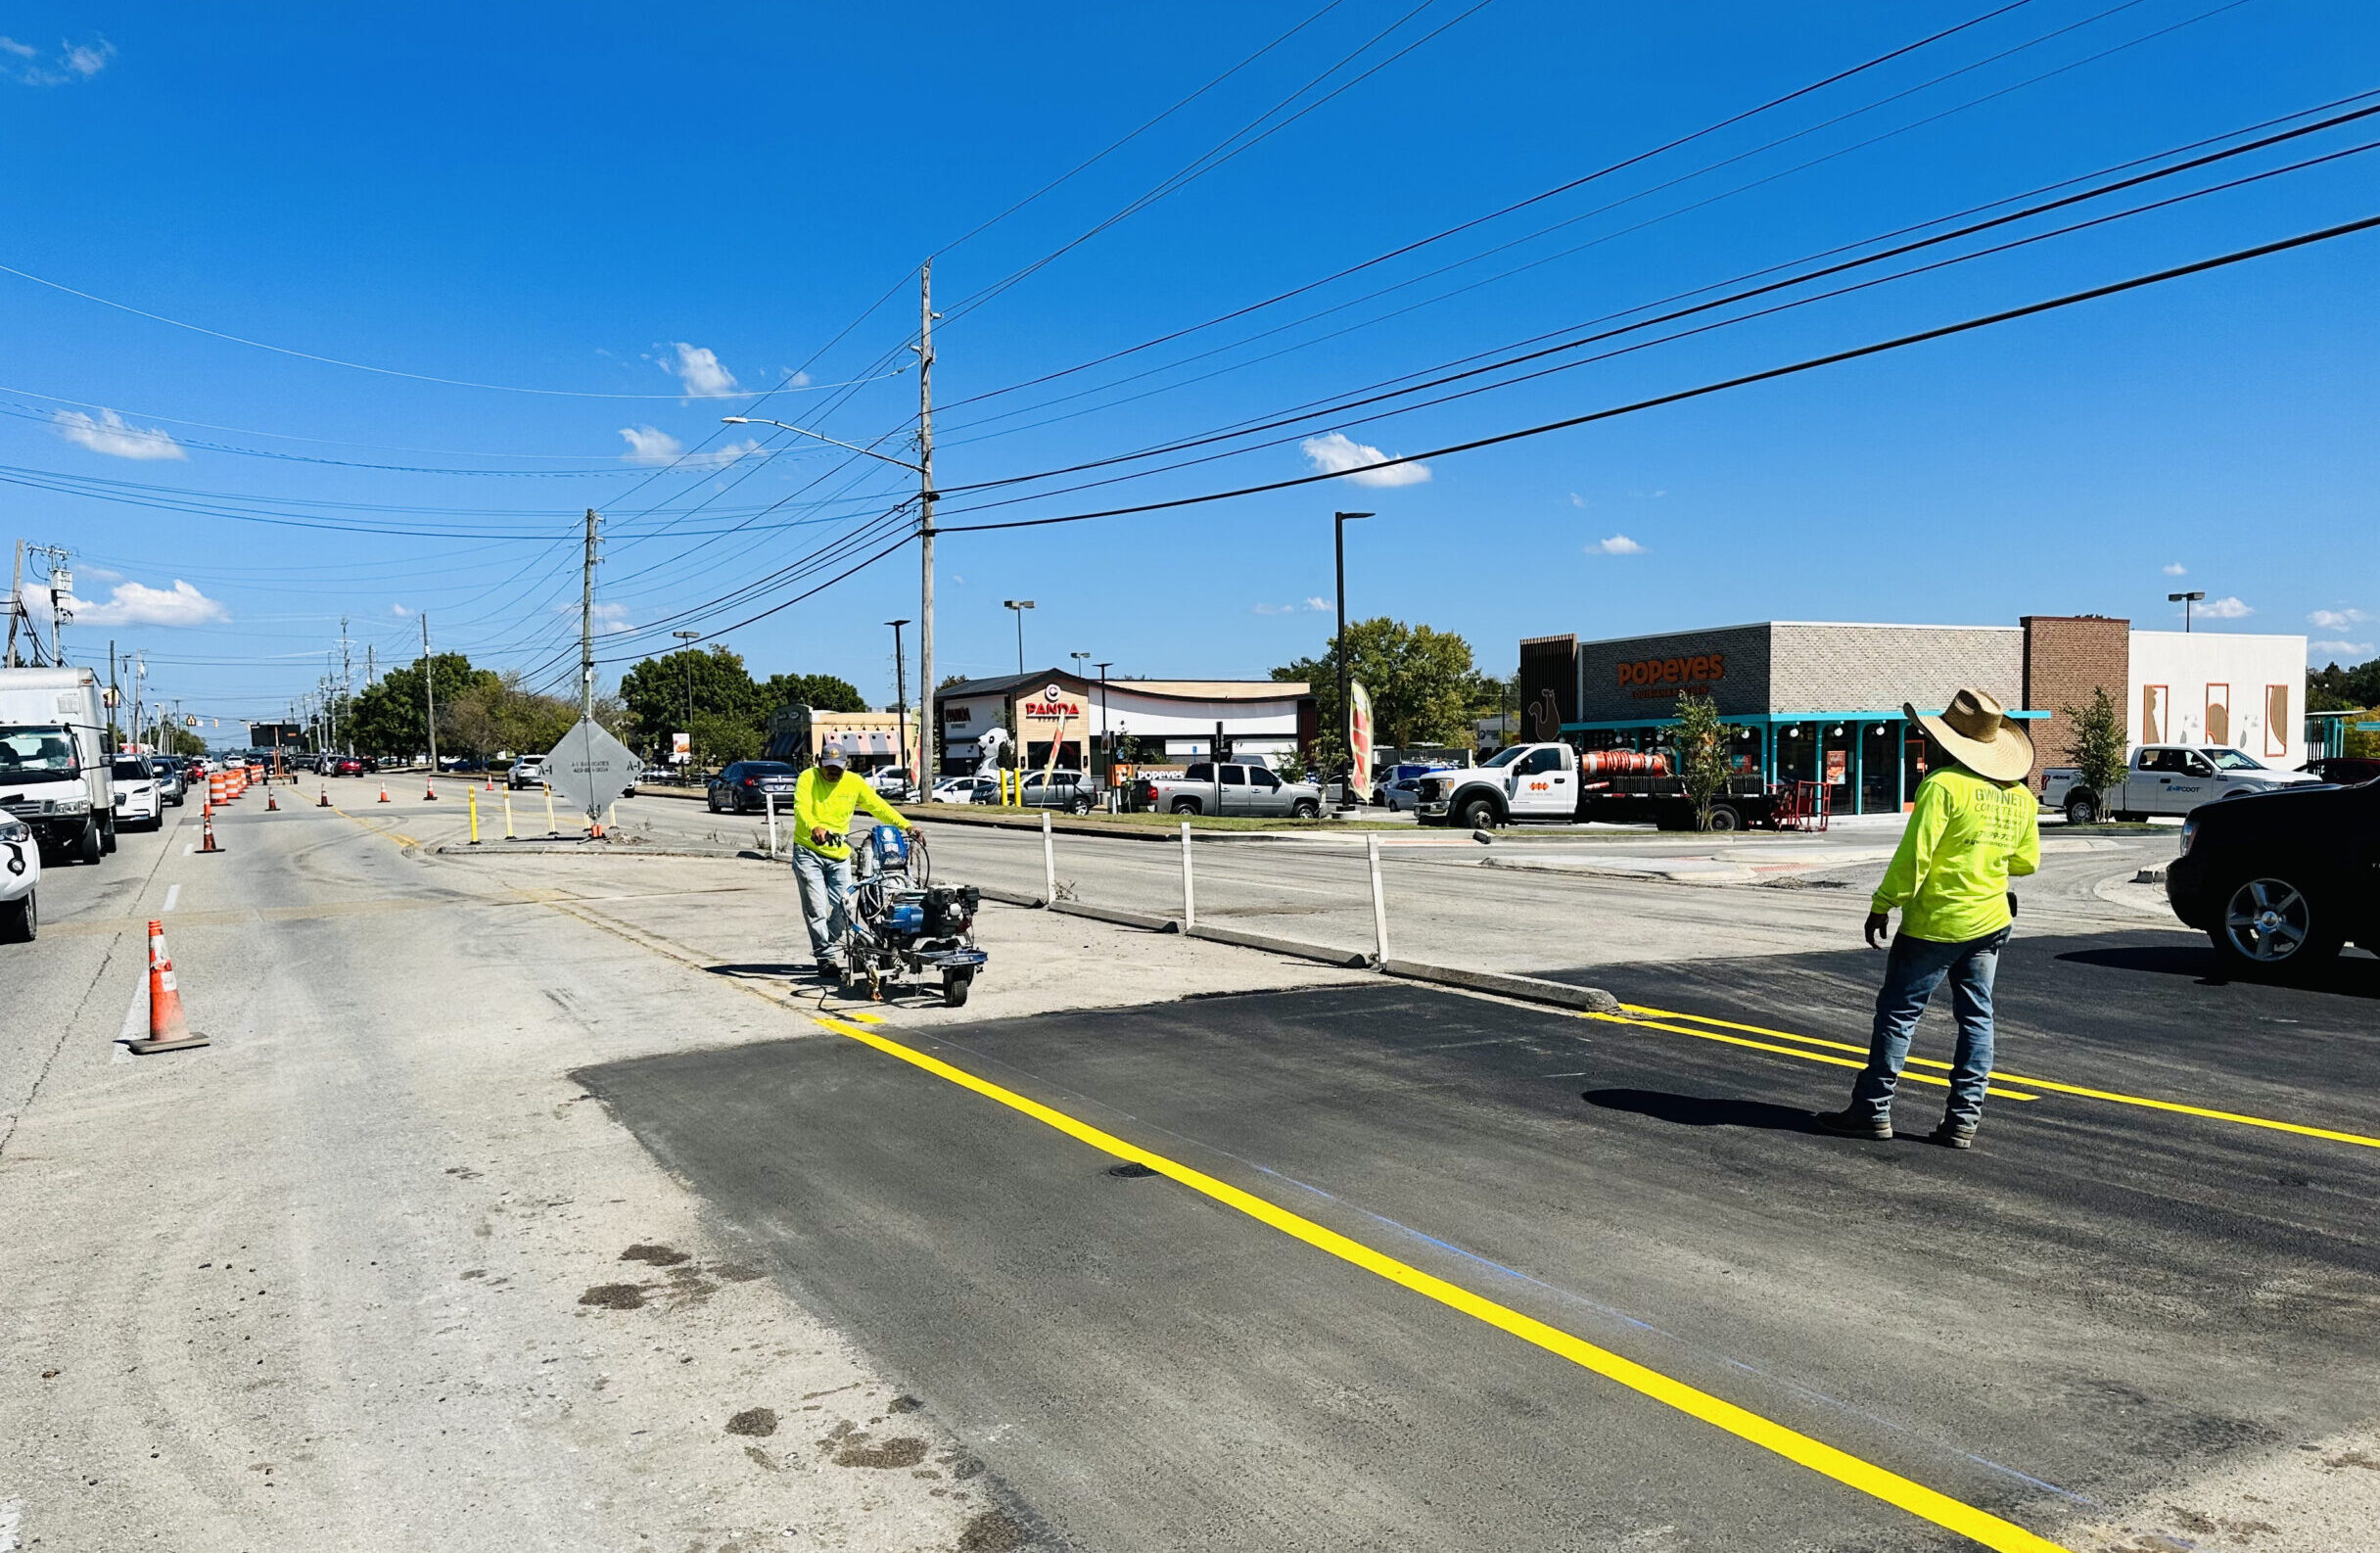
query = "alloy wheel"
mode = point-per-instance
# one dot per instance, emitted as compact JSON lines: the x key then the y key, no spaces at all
{"x":2268,"y":920}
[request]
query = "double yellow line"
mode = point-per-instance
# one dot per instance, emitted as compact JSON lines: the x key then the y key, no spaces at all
{"x":1954,"y":1515}
{"x":1704,"y":1028}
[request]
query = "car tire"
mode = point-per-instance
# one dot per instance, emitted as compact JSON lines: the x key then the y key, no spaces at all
{"x":1723,"y":817}
{"x":711,"y":800}
{"x":2270,"y":926}
{"x":89,"y":849}
{"x":21,"y":919}
{"x":107,"y":839}
{"x":1187,"y":806}
{"x":2081,"y":810}
{"x":1482,"y":813}
{"x":1306,"y":809}
{"x":1078,"y":806}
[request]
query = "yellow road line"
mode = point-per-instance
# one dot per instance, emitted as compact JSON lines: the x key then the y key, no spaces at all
{"x":378,"y":830}
{"x":1916,"y":1498}
{"x":1789,"y":1051}
{"x":2111,"y":1096}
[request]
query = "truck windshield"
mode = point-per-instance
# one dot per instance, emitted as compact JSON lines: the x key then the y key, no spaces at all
{"x":2232,"y":760}
{"x":1504,"y":757}
{"x":38,"y":755}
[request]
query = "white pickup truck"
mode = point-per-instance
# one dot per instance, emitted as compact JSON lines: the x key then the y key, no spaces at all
{"x":2165,"y":779}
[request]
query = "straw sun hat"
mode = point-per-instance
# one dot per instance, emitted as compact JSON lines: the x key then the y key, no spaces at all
{"x":1980,"y":735}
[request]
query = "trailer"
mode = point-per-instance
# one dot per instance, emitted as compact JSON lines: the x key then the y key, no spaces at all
{"x":1662,"y":800}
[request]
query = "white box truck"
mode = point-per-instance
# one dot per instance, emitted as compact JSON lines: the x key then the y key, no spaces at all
{"x":54,"y":764}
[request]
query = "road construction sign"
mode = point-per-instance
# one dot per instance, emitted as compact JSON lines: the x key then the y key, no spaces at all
{"x":588,"y":767}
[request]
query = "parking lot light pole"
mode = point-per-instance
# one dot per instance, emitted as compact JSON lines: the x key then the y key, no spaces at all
{"x":1080,"y":658}
{"x":1107,"y":741}
{"x":1347,"y":713}
{"x":900,"y":697}
{"x":1019,"y":605}
{"x":2186,"y":600}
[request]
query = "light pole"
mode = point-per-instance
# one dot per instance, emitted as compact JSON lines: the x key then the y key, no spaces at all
{"x":1079,"y":659}
{"x":901,"y":702}
{"x":689,"y":637}
{"x":923,"y":469}
{"x":1020,"y":605}
{"x":1107,"y":777}
{"x":1347,"y":712}
{"x":2186,"y":600}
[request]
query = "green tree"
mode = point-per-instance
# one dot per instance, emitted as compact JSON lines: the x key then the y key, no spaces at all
{"x":726,"y":703}
{"x":2097,"y":745}
{"x":1420,"y":679}
{"x":821,"y":692}
{"x":489,"y":719}
{"x":387,"y":715}
{"x":1700,"y":742}
{"x":2337,"y":689}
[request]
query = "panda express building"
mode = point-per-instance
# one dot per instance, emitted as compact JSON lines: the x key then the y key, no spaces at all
{"x":1818,"y":702}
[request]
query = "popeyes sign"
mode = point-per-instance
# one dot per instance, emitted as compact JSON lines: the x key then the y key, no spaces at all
{"x":1649,"y":678}
{"x":1052,"y":703}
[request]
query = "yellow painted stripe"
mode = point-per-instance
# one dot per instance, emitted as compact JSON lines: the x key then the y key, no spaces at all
{"x":398,"y":836}
{"x":862,"y":1015}
{"x":1916,"y":1498}
{"x":2111,"y":1096}
{"x":1790,"y":1051}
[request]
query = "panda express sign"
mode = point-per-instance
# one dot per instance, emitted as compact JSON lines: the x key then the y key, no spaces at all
{"x":1663,"y":678}
{"x":1052,"y":704}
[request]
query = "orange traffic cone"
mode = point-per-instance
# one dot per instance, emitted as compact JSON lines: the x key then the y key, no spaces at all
{"x":272,"y":804}
{"x":384,"y":789}
{"x":168,"y":1031}
{"x":207,"y":831}
{"x":325,"y":802}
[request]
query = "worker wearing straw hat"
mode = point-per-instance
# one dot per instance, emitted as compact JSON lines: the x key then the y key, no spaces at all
{"x":1971,"y":828}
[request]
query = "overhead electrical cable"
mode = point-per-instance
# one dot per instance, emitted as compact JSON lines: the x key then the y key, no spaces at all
{"x":1900,"y":342}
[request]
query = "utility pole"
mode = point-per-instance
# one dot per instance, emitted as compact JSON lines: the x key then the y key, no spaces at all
{"x":16,"y":603}
{"x":370,"y":673}
{"x":901,"y":707}
{"x":1347,"y":712}
{"x":586,"y":661}
{"x":347,"y":679}
{"x":929,"y":728}
{"x":429,"y":692}
{"x":113,"y":737}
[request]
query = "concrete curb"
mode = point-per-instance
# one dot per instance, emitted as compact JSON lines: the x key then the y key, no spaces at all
{"x":1118,"y":916}
{"x":1345,"y":959}
{"x":691,"y":794}
{"x":1009,"y":896}
{"x":1529,"y":989}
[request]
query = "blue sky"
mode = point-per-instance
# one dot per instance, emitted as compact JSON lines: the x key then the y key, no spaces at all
{"x":610,"y":201}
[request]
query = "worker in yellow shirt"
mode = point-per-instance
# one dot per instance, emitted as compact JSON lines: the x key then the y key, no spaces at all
{"x":824,"y":798}
{"x":1971,"y":828}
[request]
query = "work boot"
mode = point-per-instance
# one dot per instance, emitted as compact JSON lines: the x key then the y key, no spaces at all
{"x":1950,"y":1135}
{"x":1856,"y":1123}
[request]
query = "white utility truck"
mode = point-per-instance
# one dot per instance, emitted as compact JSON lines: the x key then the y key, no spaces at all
{"x":2165,"y":779}
{"x":54,"y":764}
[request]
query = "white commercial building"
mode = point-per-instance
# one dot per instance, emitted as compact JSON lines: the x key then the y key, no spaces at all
{"x":1168,"y":720}
{"x":2219,"y":687}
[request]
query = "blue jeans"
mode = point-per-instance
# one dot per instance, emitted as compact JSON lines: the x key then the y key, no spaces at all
{"x":823,"y":881}
{"x":1913,"y":970}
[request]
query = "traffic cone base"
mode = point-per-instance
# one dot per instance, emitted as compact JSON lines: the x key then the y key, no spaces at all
{"x":272,"y":804}
{"x":168,"y":1030}
{"x":384,"y":792}
{"x":207,"y":832}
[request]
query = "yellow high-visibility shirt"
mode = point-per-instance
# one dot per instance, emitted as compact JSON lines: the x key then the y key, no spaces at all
{"x":1965,"y":837}
{"x":818,"y":805}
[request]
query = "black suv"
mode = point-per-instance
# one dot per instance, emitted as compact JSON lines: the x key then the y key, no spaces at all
{"x":2278,"y":881}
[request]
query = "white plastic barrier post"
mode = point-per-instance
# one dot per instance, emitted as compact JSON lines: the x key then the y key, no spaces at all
{"x":769,"y":802}
{"x":1048,"y":863}
{"x":1190,"y":894}
{"x":1379,"y":901}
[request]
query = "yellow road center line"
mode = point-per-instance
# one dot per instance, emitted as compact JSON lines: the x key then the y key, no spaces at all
{"x":2111,"y":1096}
{"x":1904,"y":1493}
{"x":1792,"y":1050}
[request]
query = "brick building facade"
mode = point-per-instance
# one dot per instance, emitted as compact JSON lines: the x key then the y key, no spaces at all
{"x":2067,"y":657}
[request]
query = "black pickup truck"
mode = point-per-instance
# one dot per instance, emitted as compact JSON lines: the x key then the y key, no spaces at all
{"x":2278,"y":881}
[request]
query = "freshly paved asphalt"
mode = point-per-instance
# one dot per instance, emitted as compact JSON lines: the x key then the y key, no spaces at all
{"x":2100,"y":1300}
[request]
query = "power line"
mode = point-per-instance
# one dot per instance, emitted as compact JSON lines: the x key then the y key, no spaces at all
{"x":2006,"y":315}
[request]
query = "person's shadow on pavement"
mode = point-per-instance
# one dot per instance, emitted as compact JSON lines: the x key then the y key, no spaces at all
{"x":1695,"y":1110}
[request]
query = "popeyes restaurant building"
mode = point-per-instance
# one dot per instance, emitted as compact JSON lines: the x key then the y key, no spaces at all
{"x":1818,"y":702}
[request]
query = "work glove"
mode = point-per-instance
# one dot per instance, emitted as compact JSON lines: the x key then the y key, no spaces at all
{"x":1879,"y":927}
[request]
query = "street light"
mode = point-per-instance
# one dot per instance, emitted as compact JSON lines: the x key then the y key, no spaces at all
{"x":1347,"y":712}
{"x":927,"y":732}
{"x":1020,"y":605}
{"x":1107,"y":777}
{"x":901,"y":699}
{"x":2186,"y":600}
{"x":689,"y":636}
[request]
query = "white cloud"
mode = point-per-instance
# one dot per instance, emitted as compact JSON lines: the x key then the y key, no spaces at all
{"x":135,"y":604}
{"x":23,"y":51}
{"x":75,"y":62}
{"x":400,"y":612}
{"x":2225,"y":608}
{"x":2337,"y":619}
{"x":109,"y":433}
{"x":2343,"y":649}
{"x":88,"y":60}
{"x":1317,"y":605}
{"x":1577,"y":500}
{"x":698,"y":368}
{"x":1332,"y":453}
{"x":2176,"y":569}
{"x":1616,"y":545}
{"x":610,"y":618}
{"x":1271,"y":609}
{"x":99,"y":574}
{"x":652,"y":447}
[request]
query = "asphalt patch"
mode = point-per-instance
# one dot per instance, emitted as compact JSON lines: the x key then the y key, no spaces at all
{"x":615,"y":1296}
{"x":655,"y":1256}
{"x":758,"y":1422}
{"x":905,"y":1451}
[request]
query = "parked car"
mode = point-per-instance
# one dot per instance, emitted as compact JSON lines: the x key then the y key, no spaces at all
{"x":20,"y":881}
{"x":892,"y":782}
{"x":173,"y":781}
{"x":966,"y":790}
{"x":2280,"y":880}
{"x":745,"y":784}
{"x":527,"y":771}
{"x":1242,"y":790}
{"x":1400,"y":795}
{"x":2165,"y":779}
{"x":139,"y":798}
{"x":2345,"y":770}
{"x":1076,"y":792}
